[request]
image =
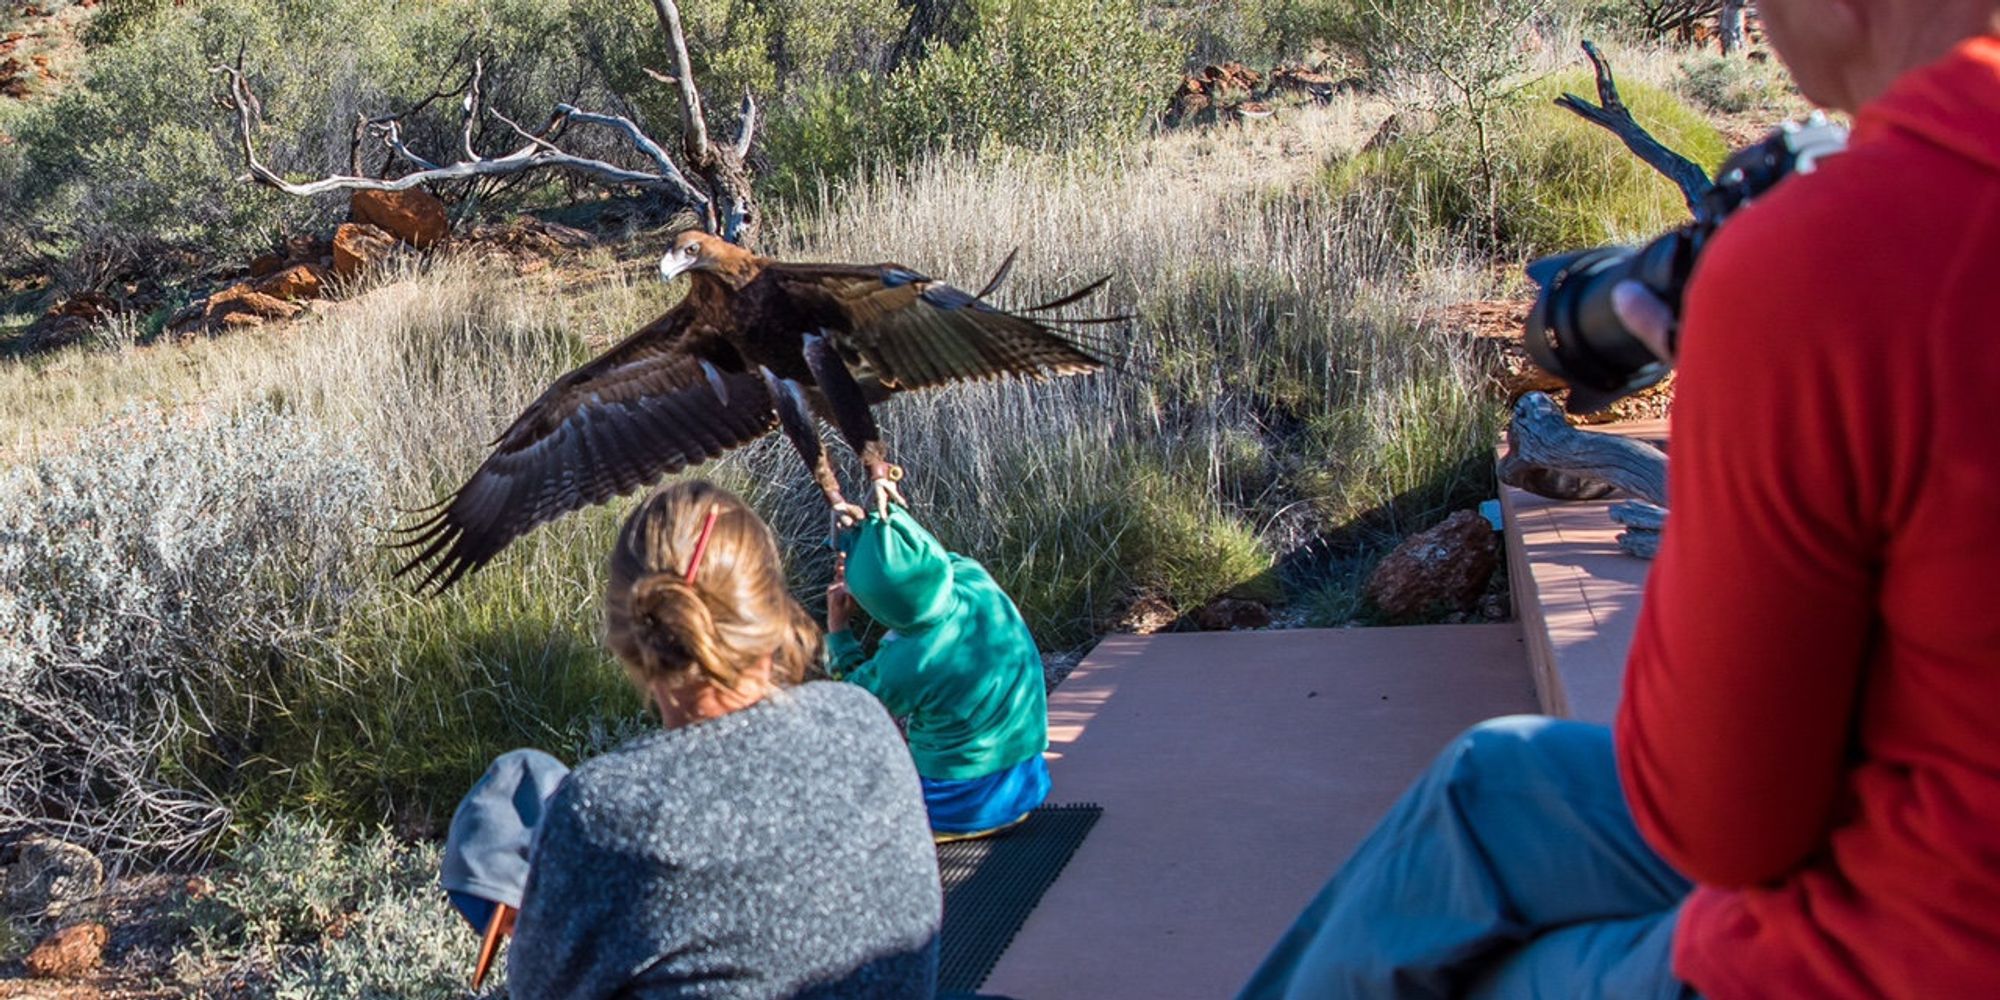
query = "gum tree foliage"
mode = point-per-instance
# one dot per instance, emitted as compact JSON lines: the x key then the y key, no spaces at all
{"x":153,"y":577}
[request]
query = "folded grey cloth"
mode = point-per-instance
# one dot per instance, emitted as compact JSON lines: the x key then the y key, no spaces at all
{"x":486,"y":852}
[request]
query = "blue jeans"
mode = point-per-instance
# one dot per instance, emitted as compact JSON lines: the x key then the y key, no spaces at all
{"x":1511,"y":869}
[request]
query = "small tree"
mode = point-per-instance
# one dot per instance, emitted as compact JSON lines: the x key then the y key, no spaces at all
{"x":1475,"y":51}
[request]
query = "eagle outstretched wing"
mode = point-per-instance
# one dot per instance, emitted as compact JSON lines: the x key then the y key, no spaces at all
{"x":904,"y":330}
{"x":697,"y":382}
{"x":645,"y":408}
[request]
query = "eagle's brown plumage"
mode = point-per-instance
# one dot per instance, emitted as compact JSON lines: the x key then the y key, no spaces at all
{"x":756,"y":344}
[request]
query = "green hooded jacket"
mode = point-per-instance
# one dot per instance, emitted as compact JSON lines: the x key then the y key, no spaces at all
{"x":959,"y":665}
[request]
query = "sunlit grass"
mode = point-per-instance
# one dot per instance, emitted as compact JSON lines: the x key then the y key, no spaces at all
{"x":1278,"y":389}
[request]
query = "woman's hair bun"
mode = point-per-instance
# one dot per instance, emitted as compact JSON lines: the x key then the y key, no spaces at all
{"x":735,"y":614}
{"x":675,"y":629}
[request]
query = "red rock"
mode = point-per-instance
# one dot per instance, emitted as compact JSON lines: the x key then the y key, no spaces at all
{"x":1145,"y":615}
{"x":300,"y":281}
{"x":270,"y":263}
{"x":68,"y":953}
{"x":414,"y":216}
{"x":244,"y":300}
{"x":1226,"y":613}
{"x":1443,"y":569}
{"x":358,"y":246}
{"x":89,"y":306}
{"x":1319,"y":86}
{"x":305,"y":248}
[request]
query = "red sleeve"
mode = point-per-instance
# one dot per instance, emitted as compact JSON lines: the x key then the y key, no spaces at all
{"x":1741,"y":686}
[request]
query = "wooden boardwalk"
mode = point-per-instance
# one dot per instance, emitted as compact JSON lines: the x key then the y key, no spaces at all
{"x":1575,"y":594}
{"x":1236,"y":770}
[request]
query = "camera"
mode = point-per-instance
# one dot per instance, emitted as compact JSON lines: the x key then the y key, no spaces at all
{"x":1572,"y":331}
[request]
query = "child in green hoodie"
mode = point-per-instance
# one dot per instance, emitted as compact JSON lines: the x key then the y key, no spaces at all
{"x":959,"y":666}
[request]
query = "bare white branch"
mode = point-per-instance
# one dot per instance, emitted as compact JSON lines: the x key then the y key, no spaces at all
{"x":539,"y":153}
{"x":694,"y":128}
{"x":748,"y":126}
{"x":390,"y":130}
{"x":470,"y":108}
{"x":524,"y":133}
{"x":668,"y":171}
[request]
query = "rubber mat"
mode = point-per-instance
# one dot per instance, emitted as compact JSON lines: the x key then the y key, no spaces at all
{"x":993,"y":883}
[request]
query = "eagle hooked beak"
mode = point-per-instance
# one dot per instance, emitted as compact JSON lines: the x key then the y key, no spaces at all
{"x":673,"y":265}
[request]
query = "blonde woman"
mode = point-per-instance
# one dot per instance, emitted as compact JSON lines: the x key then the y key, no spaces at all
{"x":771,"y":841}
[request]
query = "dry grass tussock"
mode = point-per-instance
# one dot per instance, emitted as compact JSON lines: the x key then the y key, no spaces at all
{"x":1278,"y":389}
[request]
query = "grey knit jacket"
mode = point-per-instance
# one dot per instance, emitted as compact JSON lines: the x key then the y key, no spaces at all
{"x":778,"y":851}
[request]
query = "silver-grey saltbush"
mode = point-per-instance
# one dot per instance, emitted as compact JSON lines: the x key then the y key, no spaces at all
{"x":156,"y":576}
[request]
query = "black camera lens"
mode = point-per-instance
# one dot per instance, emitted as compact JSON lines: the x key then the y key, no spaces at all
{"x":1574,"y":333}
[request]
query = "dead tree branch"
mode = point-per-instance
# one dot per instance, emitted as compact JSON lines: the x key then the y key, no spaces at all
{"x":720,"y":189}
{"x":721,"y":168}
{"x":1611,"y":114}
{"x":1538,"y":436}
{"x":694,"y":126}
{"x":1729,"y":26}
{"x":1548,"y":457}
{"x":748,"y":127}
{"x":537,"y":154}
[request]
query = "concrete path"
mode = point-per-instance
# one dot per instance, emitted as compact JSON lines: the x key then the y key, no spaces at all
{"x":1575,"y":594}
{"x":1236,"y":770}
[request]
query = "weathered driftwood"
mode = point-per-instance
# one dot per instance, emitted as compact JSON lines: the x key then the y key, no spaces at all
{"x":1611,"y":114}
{"x":1643,"y":523}
{"x":1556,"y":484}
{"x":1538,"y":438}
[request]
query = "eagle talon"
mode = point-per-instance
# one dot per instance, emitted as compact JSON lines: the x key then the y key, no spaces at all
{"x":886,"y":491}
{"x":847,"y":515}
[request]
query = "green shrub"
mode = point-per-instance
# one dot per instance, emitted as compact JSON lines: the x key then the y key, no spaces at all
{"x":1562,"y":183}
{"x":1036,"y":73}
{"x":1257,"y":32}
{"x":300,"y":911}
{"x":1735,"y":85}
{"x":821,"y":133}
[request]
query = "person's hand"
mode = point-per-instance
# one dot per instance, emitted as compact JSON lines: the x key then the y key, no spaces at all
{"x":1649,"y":319}
{"x":839,"y":603}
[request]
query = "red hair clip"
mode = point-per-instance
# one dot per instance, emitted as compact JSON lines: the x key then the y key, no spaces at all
{"x":700,"y":546}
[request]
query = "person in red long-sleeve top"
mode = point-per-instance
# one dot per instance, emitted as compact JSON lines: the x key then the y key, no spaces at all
{"x":1811,"y":722}
{"x":1801,"y":796}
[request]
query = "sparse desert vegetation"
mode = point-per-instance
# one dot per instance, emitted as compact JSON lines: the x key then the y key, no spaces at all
{"x":201,"y":647}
